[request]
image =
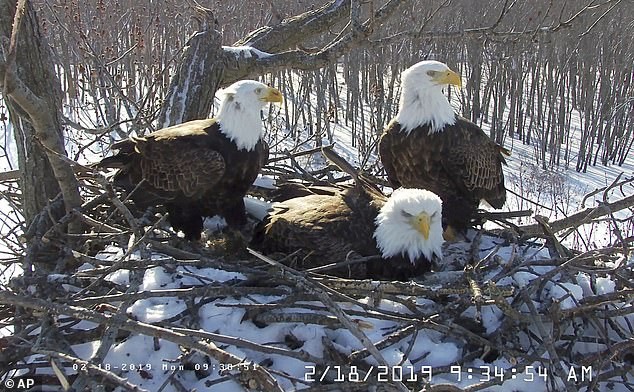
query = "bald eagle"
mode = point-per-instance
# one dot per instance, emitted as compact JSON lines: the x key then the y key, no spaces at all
{"x":202,"y":167}
{"x":404,"y":231}
{"x":428,"y":146}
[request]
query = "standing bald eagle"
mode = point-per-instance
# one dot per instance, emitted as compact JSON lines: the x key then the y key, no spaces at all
{"x":201,"y":167}
{"x":428,"y":146}
{"x":404,"y":230}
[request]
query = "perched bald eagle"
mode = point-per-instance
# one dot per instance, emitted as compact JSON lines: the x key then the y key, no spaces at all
{"x":202,"y":167}
{"x":404,"y":231}
{"x":428,"y":146}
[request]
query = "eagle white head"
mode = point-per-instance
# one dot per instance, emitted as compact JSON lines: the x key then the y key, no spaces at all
{"x":422,"y":98}
{"x":409,"y":224}
{"x":239,"y":115}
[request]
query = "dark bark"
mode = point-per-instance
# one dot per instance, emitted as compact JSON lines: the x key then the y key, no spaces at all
{"x":37,"y":180}
{"x":199,"y":75}
{"x":294,"y":31}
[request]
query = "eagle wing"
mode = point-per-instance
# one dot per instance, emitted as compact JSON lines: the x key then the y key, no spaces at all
{"x":315,"y":223}
{"x":179,"y":165}
{"x":476,"y":163}
{"x":387,"y":156}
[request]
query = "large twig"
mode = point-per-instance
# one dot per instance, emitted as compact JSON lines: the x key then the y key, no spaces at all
{"x":579,"y":218}
{"x":293,"y":31}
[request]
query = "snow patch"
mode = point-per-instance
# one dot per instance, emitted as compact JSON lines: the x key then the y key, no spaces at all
{"x":568,"y":294}
{"x":246,"y":52}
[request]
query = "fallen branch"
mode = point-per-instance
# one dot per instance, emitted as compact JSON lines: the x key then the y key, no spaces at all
{"x":579,"y":218}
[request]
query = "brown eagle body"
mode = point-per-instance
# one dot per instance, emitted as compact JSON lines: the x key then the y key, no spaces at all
{"x":461,"y":164}
{"x":193,"y":169}
{"x":326,"y":229}
{"x":338,"y":223}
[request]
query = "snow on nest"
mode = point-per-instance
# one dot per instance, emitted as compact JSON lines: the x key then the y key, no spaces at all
{"x":428,"y":350}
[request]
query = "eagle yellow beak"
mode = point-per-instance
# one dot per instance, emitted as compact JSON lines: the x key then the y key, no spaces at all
{"x":272,"y":95}
{"x":449,"y":77}
{"x":421,"y":223}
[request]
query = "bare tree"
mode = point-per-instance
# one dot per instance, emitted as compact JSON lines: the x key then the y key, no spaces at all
{"x":122,"y":57}
{"x":30,"y":87}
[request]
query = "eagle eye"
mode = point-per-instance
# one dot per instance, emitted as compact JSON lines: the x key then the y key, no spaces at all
{"x":406,"y":214}
{"x":258,"y":90}
{"x":431,"y":73}
{"x":434,"y":214}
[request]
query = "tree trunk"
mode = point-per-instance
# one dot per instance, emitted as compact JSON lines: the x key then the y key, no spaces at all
{"x":33,"y":96}
{"x":199,"y":75}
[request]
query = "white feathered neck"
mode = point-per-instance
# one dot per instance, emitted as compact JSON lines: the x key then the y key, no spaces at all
{"x":423,"y":102}
{"x":239,"y":116}
{"x":395,"y":236}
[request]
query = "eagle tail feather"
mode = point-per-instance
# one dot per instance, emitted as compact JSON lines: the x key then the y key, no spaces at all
{"x":504,"y":151}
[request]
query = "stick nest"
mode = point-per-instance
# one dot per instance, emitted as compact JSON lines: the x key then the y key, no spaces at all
{"x":543,"y":323}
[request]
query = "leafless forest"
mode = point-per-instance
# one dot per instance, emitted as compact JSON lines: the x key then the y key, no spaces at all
{"x":77,"y":75}
{"x":552,"y":62}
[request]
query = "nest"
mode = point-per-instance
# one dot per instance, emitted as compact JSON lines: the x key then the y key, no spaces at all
{"x":508,"y":304}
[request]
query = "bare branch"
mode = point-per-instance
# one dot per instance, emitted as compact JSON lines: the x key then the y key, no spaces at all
{"x":298,"y":59}
{"x":593,"y":25}
{"x":17,"y":23}
{"x":579,"y":218}
{"x":293,"y":31}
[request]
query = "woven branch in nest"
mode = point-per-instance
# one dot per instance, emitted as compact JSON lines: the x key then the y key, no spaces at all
{"x":448,"y":303}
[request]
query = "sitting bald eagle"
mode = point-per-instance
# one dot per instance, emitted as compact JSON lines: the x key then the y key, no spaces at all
{"x":202,"y":167}
{"x":428,"y":146}
{"x":404,"y":231}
